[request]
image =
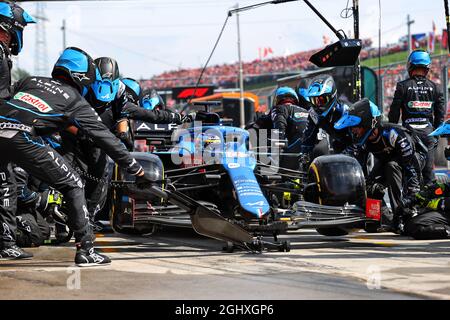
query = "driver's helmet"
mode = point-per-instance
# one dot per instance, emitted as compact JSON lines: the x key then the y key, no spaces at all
{"x":206,"y":140}
{"x":322,"y":94}
{"x":419,"y":59}
{"x":107,"y":80}
{"x":284,"y":95}
{"x":363,"y":114}
{"x":151,"y":100}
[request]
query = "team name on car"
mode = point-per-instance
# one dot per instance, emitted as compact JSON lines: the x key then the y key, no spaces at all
{"x":34,"y":101}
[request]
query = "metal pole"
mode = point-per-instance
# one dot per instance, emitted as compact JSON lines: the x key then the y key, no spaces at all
{"x":409,"y":22}
{"x":339,"y":35}
{"x":357,"y":71}
{"x":447,"y":20}
{"x":381,"y":84}
{"x":380,"y":79}
{"x":445,"y":84}
{"x":241,"y":78}
{"x":63,"y":29}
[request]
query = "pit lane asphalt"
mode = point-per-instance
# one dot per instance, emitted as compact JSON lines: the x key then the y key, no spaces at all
{"x":178,"y":264}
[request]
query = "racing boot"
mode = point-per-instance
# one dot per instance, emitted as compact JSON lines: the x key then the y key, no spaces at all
{"x":87,"y":256}
{"x":14,"y":253}
{"x":61,"y":232}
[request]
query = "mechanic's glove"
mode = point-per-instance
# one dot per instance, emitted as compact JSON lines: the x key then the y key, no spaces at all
{"x":190,"y":117}
{"x":408,"y":201}
{"x":375,"y":190}
{"x":125,"y":137}
{"x":179,"y":119}
{"x":305,"y":161}
{"x":435,"y":204}
{"x":144,"y":181}
{"x":405,"y":210}
{"x":48,"y":199}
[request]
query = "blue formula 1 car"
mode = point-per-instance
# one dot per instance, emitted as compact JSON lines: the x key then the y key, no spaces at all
{"x":209,"y":165}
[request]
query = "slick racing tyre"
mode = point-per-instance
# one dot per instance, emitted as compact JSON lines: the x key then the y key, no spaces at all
{"x":335,"y":180}
{"x":339,"y":179}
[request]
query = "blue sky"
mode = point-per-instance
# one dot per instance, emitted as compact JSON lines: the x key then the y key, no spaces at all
{"x":148,"y":37}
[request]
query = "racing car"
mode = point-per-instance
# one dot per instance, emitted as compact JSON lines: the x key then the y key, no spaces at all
{"x":210,"y":165}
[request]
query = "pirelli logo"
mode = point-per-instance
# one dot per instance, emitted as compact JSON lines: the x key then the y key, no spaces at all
{"x":34,"y":101}
{"x":420,"y":104}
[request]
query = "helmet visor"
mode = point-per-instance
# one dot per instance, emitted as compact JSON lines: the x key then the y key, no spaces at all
{"x":321,"y":103}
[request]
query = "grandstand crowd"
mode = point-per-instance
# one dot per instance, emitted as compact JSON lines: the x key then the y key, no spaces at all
{"x":226,"y":75}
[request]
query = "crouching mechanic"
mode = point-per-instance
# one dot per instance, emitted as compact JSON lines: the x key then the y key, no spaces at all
{"x":33,"y":202}
{"x":398,"y":155}
{"x":433,"y":218}
{"x":43,"y":106}
{"x":289,"y":121}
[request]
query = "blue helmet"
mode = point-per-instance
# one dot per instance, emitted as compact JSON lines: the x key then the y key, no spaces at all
{"x":322,"y":94}
{"x":303,"y":92}
{"x":75,"y":67}
{"x":107,"y":80}
{"x":419,"y":58}
{"x":133,"y":89}
{"x":283,"y":93}
{"x":152,"y":100}
{"x":442,"y":130}
{"x":364,"y":114}
{"x":303,"y":98}
{"x":13,"y":19}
